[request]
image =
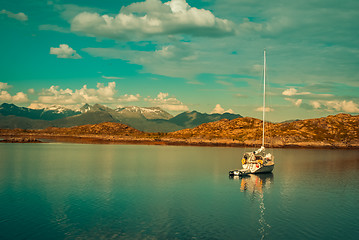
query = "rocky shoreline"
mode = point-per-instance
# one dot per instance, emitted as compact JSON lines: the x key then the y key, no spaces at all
{"x":21,"y":139}
{"x":113,"y":139}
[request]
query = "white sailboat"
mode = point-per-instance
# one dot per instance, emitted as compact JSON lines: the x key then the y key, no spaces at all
{"x":258,"y":161}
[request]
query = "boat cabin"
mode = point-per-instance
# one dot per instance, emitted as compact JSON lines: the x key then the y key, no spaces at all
{"x":256,"y":156}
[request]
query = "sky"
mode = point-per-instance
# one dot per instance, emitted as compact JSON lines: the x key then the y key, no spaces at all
{"x":203,"y":55}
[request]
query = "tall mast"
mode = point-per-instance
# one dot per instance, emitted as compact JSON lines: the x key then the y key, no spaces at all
{"x":264,"y":94}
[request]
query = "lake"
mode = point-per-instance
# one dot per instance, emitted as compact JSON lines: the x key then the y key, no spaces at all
{"x":88,"y":191}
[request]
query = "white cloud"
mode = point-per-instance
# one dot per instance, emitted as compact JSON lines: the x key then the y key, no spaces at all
{"x":296,"y":102}
{"x":69,"y":11}
{"x":324,"y":102}
{"x":315,"y":104}
{"x":161,"y":96}
{"x":175,"y":108}
{"x":349,"y":106}
{"x":163,"y":61}
{"x":54,"y":95}
{"x":4,"y":86}
{"x":180,"y":51}
{"x":185,"y":60}
{"x":248,"y":26}
{"x":315,"y":99}
{"x":168,"y":103}
{"x":55,"y":28}
{"x":18,"y":16}
{"x":267,"y":109}
{"x":336,"y":105}
{"x":294,"y":92}
{"x":64,"y":51}
{"x":31,"y":91}
{"x":220,"y":110}
{"x":19,"y":97}
{"x":152,"y":17}
{"x":106,"y":92}
{"x":289,"y":92}
{"x":166,"y":51}
{"x":74,"y":98}
{"x":111,"y":78}
{"x":176,"y":60}
{"x":130,"y":98}
{"x":5,"y":96}
{"x":38,"y":105}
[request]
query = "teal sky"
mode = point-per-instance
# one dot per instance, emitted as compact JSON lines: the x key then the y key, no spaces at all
{"x":204,"y":55}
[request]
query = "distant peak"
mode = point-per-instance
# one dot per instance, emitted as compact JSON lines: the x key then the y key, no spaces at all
{"x":8,"y":105}
{"x":86,"y":107}
{"x":98,"y":105}
{"x":191,"y":112}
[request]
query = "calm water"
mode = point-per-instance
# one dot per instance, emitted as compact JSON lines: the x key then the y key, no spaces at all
{"x":80,"y":191}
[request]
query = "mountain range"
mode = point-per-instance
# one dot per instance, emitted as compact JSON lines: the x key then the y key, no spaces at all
{"x":149,"y":119}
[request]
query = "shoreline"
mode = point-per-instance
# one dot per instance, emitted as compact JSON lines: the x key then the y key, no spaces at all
{"x":143,"y":140}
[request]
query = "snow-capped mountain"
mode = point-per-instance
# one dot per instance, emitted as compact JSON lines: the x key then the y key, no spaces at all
{"x":146,"y":112}
{"x":56,"y":109}
{"x":56,"y":112}
{"x":50,"y":113}
{"x":150,"y":119}
{"x":85,"y":108}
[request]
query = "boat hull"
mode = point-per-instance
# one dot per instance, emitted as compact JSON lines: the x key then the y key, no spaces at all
{"x":255,"y":168}
{"x":265,"y":169}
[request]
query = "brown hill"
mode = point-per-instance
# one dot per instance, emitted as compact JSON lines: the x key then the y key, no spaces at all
{"x":106,"y":128}
{"x":239,"y":129}
{"x":338,"y":130}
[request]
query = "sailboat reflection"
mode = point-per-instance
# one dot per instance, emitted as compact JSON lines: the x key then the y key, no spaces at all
{"x":254,"y":182}
{"x":256,"y":185}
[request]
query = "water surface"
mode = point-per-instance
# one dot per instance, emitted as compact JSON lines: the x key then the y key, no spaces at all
{"x":85,"y":191}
